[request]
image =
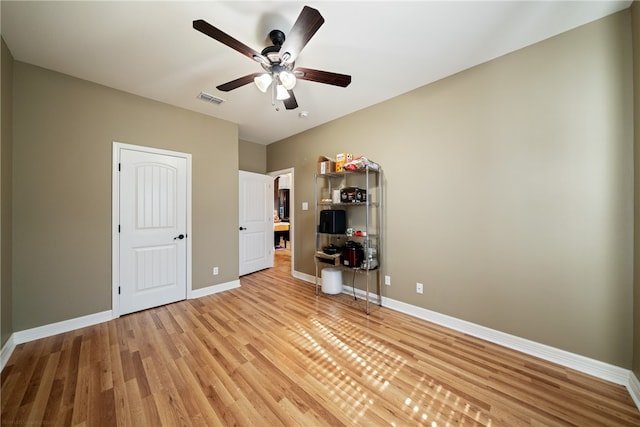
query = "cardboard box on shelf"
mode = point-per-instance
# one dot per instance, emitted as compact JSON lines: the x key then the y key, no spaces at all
{"x":325,"y":165}
{"x":341,"y":159}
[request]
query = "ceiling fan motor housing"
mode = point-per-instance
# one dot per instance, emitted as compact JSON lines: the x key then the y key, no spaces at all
{"x":277,"y":37}
{"x":272,"y":53}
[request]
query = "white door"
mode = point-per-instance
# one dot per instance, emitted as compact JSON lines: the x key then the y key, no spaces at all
{"x":153,"y":229}
{"x":256,"y":222}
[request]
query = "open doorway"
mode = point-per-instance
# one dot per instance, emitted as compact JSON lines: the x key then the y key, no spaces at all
{"x":283,"y":220}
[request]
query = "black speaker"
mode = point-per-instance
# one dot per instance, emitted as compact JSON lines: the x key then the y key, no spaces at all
{"x":333,"y":221}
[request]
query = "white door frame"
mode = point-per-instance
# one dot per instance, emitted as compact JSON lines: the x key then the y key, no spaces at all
{"x":292,"y":209}
{"x":115,"y":217}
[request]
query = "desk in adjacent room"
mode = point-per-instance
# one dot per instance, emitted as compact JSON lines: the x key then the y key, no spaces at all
{"x":280,"y":229}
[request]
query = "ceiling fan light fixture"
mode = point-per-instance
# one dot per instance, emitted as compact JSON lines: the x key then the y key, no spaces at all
{"x":263,"y":82}
{"x":288,"y":79}
{"x":281,"y":93}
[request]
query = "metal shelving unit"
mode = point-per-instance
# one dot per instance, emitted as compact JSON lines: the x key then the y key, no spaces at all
{"x":365,"y":216}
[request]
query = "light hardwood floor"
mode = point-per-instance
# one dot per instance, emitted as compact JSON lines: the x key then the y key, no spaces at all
{"x":282,"y":260}
{"x":272,"y":353}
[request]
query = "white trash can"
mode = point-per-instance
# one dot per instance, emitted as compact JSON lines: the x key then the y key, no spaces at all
{"x":331,"y":280}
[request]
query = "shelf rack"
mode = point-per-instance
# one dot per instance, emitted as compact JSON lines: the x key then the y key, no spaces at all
{"x":372,"y":231}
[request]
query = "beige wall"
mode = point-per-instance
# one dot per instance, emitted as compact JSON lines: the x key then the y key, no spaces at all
{"x":508,"y":191}
{"x":635,"y":12}
{"x":63,"y":134}
{"x":6,"y":308}
{"x":252,"y":157}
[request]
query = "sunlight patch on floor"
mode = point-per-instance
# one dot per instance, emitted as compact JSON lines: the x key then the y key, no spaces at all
{"x":333,"y":347}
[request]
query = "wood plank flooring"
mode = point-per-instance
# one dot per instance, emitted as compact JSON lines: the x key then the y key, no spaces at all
{"x":282,"y":259}
{"x":272,"y":353}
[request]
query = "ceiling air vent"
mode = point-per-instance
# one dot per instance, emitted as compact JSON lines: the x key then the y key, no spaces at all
{"x":210,"y":98}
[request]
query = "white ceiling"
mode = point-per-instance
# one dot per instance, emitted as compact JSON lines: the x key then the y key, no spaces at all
{"x":388,"y":47}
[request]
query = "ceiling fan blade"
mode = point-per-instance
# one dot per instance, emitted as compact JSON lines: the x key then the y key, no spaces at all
{"x":308,"y":22}
{"x":325,"y":77}
{"x":290,"y":103}
{"x":205,"y":28}
{"x":241,"y":81}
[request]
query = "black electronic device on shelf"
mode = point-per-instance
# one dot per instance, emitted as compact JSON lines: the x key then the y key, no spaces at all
{"x":332,"y":249}
{"x":332,"y":221}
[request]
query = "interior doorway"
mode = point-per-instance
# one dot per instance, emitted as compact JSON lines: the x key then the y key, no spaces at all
{"x":283,"y":217}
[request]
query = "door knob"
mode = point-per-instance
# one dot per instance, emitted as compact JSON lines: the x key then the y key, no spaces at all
{"x":243,"y":228}
{"x":181,"y":236}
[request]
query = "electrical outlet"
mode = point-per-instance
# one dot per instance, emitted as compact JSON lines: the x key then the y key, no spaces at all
{"x":387,"y":280}
{"x":419,"y":287}
{"x":215,"y":271}
{"x":305,"y":206}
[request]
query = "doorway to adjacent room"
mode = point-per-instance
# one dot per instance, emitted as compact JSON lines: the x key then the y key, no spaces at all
{"x":283,"y":220}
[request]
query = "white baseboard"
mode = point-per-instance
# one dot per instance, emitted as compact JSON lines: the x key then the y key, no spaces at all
{"x":27,"y":335}
{"x":634,"y":388}
{"x":32,"y":334}
{"x":564,"y":358}
{"x":63,"y":326}
{"x":214,"y":289}
{"x":306,"y":277}
{"x":7,"y":351}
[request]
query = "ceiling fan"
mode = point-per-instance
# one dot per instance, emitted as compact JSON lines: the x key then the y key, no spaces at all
{"x":278,"y":61}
